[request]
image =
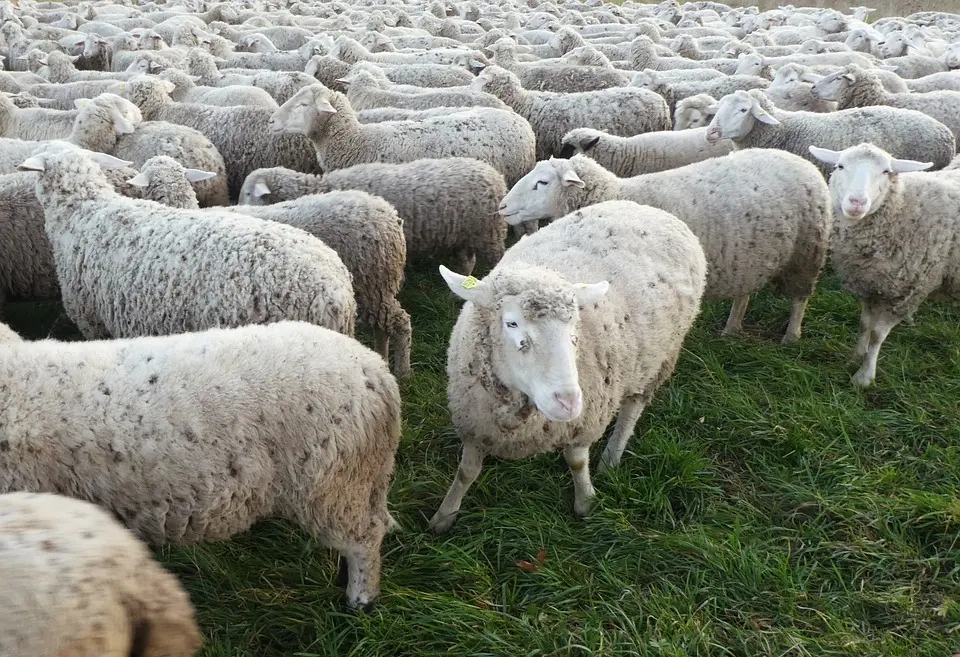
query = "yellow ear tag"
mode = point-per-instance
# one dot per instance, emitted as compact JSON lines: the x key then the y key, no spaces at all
{"x":469,"y":283}
{"x":762,"y":112}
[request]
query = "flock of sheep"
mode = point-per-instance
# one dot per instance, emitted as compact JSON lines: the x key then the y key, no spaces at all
{"x":678,"y":152}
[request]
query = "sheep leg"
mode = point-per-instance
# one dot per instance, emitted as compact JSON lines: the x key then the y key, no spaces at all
{"x":735,"y":320}
{"x":880,"y":328}
{"x":798,"y":308}
{"x":401,"y":337}
{"x":363,"y":575}
{"x":578,"y":458}
{"x":627,"y":418}
{"x":863,"y":339}
{"x":381,"y":343}
{"x":471,"y":462}
{"x":466,"y":261}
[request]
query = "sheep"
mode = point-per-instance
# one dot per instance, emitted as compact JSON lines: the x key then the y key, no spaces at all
{"x":646,"y":153}
{"x":421,"y":75}
{"x":195,"y":437}
{"x":643,"y":55}
{"x":897,"y":242}
{"x":279,"y":84}
{"x":271,"y":272}
{"x":164,"y":180}
{"x":567,"y":78}
{"x":498,"y":137}
{"x":673,"y":92}
{"x":365,"y":92}
{"x":349,"y":50}
{"x":240,"y":134}
{"x":104,"y":126}
{"x":750,"y":120}
{"x":34,"y":123}
{"x":916,"y":66}
{"x":63,"y":95}
{"x":766,"y":221}
{"x":694,"y":112}
{"x":187,"y":91}
{"x":853,"y":86}
{"x":448,"y":205}
{"x":367,"y":234}
{"x":936,"y":82}
{"x":621,"y":111}
{"x":789,"y":92}
{"x":76,"y":582}
{"x":564,"y":334}
{"x":381,"y":114}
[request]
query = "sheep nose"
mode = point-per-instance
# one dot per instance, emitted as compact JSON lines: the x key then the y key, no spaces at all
{"x":714,"y":134}
{"x":503,"y":206}
{"x":569,"y":400}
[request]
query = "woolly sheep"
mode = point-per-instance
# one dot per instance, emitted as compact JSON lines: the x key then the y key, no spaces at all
{"x":448,"y":205}
{"x":853,"y":86}
{"x":381,"y":114}
{"x":936,"y":82}
{"x":76,"y":582}
{"x":279,"y":84}
{"x":767,"y":219}
{"x":367,"y":234}
{"x":349,"y":50}
{"x":646,"y":153}
{"x":187,"y":91}
{"x":103,"y":125}
{"x":673,"y":92}
{"x":564,"y":334}
{"x":34,"y":123}
{"x":272,"y":271}
{"x":365,"y":92}
{"x":498,"y":137}
{"x":63,"y":95}
{"x":242,"y":135}
{"x":750,"y":120}
{"x":897,"y":242}
{"x":694,"y":112}
{"x":789,"y":92}
{"x":164,"y":180}
{"x":568,"y":78}
{"x":181,"y":452}
{"x":643,"y":55}
{"x":622,"y":111}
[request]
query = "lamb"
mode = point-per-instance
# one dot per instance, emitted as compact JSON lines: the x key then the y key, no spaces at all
{"x":161,"y":432}
{"x":898,"y":239}
{"x":750,"y":120}
{"x":646,"y":153}
{"x":622,"y":111}
{"x":773,"y":230}
{"x":187,"y":91}
{"x":564,"y":334}
{"x":853,"y":86}
{"x":104,"y":125}
{"x":694,"y":112}
{"x":76,"y":582}
{"x":498,"y":137}
{"x":365,"y":92}
{"x":254,"y":146}
{"x":448,"y":205}
{"x":367,"y":234}
{"x":174,"y":276}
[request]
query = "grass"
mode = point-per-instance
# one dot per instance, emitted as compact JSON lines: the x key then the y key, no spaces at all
{"x":764,"y":508}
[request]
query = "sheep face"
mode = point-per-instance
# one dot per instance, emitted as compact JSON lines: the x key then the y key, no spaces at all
{"x":736,"y":115}
{"x":534,"y":328}
{"x":542,"y":193}
{"x":893,"y":45}
{"x":862,"y":177}
{"x":833,"y":86}
{"x":304,"y":112}
{"x":750,"y":64}
{"x":952,"y":56}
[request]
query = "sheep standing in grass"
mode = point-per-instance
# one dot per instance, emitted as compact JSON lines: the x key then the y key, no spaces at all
{"x":129,"y":268}
{"x":750,"y":120}
{"x":500,"y":138}
{"x":764,"y":217}
{"x":622,"y":111}
{"x":367,"y":234}
{"x":897,"y":239}
{"x":75,"y":582}
{"x":578,"y":324}
{"x":196,"y":437}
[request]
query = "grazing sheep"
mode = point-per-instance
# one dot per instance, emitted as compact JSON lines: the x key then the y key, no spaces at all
{"x":195,"y":437}
{"x":750,"y":120}
{"x":180,"y":270}
{"x":766,"y":218}
{"x":646,"y":153}
{"x":853,"y":86}
{"x":242,"y":135}
{"x":448,"y":205}
{"x":897,"y":241}
{"x":367,"y":234}
{"x":622,"y":111}
{"x":566,"y":333}
{"x":76,"y":582}
{"x":500,"y":138}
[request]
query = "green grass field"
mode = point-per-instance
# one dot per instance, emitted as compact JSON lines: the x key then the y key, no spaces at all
{"x":764,"y":508}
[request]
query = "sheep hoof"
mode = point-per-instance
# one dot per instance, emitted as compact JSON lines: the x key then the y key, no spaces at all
{"x":355,"y":606}
{"x":862,"y":379}
{"x":441,"y":524}
{"x":582,"y":506}
{"x":789,"y":338}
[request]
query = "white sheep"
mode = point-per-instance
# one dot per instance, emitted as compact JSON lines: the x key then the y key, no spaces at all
{"x":195,"y":437}
{"x":164,"y":180}
{"x":76,"y":582}
{"x":187,"y":91}
{"x":364,"y":92}
{"x":897,"y":239}
{"x":764,"y":217}
{"x":566,"y":333}
{"x":750,"y":120}
{"x":210,"y":269}
{"x":694,"y":112}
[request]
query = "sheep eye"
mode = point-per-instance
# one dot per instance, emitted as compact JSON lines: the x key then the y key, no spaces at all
{"x":511,"y":325}
{"x":744,"y":110}
{"x":839,"y":167}
{"x":537,"y":184}
{"x":888,"y":171}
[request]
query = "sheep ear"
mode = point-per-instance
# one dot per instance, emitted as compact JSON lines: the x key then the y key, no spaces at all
{"x":467,"y":288}
{"x":167,"y":86}
{"x":74,"y":58}
{"x":849,"y":77}
{"x":907,"y":166}
{"x":713,"y":109}
{"x":80,"y":103}
{"x":589,"y":294}
{"x":824,"y":154}
{"x":194,"y":78}
{"x":762,"y":115}
{"x":196,"y":175}
{"x":107,"y":161}
{"x":32,"y":164}
{"x":323,"y":106}
{"x":260,"y":190}
{"x":887,"y":67}
{"x":139,"y":180}
{"x":156,"y":66}
{"x":589,"y":144}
